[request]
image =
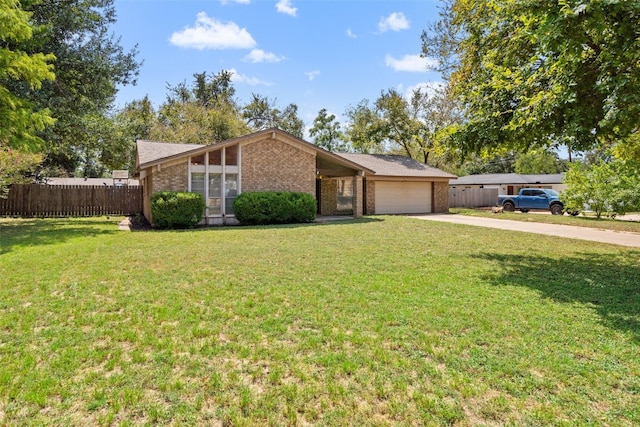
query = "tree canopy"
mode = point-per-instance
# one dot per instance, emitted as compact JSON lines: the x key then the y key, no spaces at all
{"x":20,"y":119}
{"x":327,"y":132}
{"x":204,"y":112}
{"x":605,"y":187}
{"x":90,"y":65}
{"x":412,"y":126}
{"x":540,"y":74}
{"x":262,"y":113}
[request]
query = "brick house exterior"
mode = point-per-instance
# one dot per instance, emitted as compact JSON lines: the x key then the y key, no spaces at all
{"x":262,"y":168}
{"x":272,"y":160}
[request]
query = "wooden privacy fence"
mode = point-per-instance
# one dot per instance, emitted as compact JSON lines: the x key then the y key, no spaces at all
{"x":34,"y":200}
{"x":472,"y":197}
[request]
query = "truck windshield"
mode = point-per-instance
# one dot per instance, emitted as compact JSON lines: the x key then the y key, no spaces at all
{"x":553,"y":193}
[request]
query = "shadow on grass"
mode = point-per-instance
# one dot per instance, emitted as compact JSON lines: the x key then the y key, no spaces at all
{"x":609,"y":283}
{"x":363,"y":220}
{"x":34,"y":232}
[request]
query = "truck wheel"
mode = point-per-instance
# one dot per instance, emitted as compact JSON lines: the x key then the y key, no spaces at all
{"x":524,"y":210}
{"x":556,"y":210}
{"x":508,"y":207}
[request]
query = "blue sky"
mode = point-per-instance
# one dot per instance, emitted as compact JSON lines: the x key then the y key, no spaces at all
{"x":314,"y":53}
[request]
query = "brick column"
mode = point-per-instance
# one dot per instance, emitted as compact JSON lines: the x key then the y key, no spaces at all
{"x":357,"y":197}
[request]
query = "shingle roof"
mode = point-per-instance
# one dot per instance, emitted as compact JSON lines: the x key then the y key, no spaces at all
{"x":395,"y":165}
{"x":150,"y":151}
{"x":508,"y":178}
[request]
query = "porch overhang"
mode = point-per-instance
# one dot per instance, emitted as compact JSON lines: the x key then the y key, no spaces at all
{"x":333,"y":168}
{"x":331,"y":165}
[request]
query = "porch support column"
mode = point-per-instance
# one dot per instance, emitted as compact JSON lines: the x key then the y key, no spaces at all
{"x":357,"y":197}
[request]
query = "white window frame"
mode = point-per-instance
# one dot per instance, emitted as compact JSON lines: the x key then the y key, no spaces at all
{"x":223,"y":169}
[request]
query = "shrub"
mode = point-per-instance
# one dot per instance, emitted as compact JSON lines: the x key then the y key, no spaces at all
{"x":606,"y":188}
{"x":255,"y":208}
{"x":172,"y":209}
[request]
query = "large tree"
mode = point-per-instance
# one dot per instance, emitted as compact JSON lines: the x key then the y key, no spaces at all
{"x":363,"y":130}
{"x":435,"y":110}
{"x":263,"y":113}
{"x":539,"y":162}
{"x":20,"y":71}
{"x":398,"y":123}
{"x":204,"y":112}
{"x":327,"y":132}
{"x":540,"y":73}
{"x":413,"y":126}
{"x":20,"y":119}
{"x":138,"y":117}
{"x":90,"y":65}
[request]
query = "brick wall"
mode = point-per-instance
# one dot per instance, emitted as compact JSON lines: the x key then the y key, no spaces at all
{"x":358,"y":198}
{"x":329,"y":196}
{"x":440,"y":197}
{"x":171,"y":178}
{"x":272,"y":165}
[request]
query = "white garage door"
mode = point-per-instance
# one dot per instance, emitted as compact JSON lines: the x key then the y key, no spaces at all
{"x":396,"y":197}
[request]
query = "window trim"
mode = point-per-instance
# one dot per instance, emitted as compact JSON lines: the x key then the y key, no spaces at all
{"x":217,"y":169}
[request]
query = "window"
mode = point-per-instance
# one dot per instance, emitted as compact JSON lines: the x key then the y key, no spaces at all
{"x":230,"y":191}
{"x":206,"y":177}
{"x":215,"y":158}
{"x":231,"y":156}
{"x":214,"y":201}
{"x":197,"y":160}
{"x":197,"y":183}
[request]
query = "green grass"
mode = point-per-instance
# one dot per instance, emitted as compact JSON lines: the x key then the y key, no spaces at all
{"x":379,"y":321}
{"x":578,"y":221}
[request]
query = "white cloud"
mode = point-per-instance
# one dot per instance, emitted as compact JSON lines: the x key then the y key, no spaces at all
{"x":209,"y":33}
{"x":225,"y":2}
{"x":350,"y":34}
{"x":259,"y":55}
{"x":251,"y":81}
{"x":394,"y":22}
{"x":410,"y":63}
{"x":284,"y":6}
{"x":312,"y":74}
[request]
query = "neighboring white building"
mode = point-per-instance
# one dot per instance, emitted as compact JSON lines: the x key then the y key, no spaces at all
{"x":510,"y":183}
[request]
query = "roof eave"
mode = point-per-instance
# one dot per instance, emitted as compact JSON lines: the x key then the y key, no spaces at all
{"x":251,"y":137}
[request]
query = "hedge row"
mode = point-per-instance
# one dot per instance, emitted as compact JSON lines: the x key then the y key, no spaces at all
{"x":257,"y":208}
{"x":173,"y":209}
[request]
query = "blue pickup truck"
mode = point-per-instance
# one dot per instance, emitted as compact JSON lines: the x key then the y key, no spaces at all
{"x":533,"y":198}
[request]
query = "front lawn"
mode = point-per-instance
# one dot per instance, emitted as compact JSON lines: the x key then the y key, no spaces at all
{"x":379,"y":321}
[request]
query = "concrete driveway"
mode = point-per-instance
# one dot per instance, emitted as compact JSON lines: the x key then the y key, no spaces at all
{"x":581,"y":233}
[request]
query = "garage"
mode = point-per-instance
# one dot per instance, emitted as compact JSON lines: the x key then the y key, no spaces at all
{"x":403,"y":197}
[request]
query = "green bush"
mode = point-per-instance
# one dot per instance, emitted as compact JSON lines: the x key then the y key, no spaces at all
{"x":277,"y":207}
{"x":606,"y":188}
{"x":173,"y":209}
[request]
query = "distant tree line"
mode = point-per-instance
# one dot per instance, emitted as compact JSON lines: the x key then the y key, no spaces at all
{"x":521,"y":81}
